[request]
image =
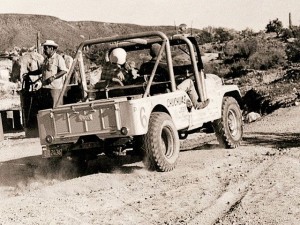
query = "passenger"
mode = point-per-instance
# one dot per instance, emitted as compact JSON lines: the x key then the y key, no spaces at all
{"x":187,"y":85}
{"x":118,"y":68}
{"x":53,"y":72}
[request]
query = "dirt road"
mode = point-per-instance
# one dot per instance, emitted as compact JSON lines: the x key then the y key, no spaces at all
{"x":258,"y":183}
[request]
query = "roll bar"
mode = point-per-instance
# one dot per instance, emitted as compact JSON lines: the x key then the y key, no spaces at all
{"x":153,"y":36}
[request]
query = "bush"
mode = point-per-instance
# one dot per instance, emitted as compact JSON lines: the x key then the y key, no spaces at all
{"x":274,"y":26}
{"x":204,"y":37}
{"x":263,"y":60}
{"x":254,"y":53}
{"x":287,"y":33}
{"x":296,"y":32}
{"x":222,"y":35}
{"x":210,"y":35}
{"x":96,"y":55}
{"x":293,"y":51}
{"x":216,"y":68}
{"x":241,"y":48}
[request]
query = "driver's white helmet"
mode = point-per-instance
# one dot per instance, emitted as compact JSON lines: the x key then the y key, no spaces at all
{"x":118,"y":55}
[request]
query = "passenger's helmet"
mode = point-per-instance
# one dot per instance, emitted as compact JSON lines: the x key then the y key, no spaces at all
{"x":118,"y":55}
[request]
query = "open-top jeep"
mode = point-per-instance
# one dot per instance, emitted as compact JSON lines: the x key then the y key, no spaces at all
{"x":146,"y":117}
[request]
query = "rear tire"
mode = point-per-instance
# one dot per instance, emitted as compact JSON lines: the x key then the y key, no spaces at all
{"x":229,"y":128}
{"x":161,"y":143}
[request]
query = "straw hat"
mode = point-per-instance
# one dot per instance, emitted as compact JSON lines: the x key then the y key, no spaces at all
{"x":50,"y":43}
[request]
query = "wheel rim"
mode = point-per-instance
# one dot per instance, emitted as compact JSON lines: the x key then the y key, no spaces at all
{"x":233,"y":123}
{"x":167,"y":142}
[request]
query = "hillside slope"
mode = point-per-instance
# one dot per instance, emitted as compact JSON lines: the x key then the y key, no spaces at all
{"x":21,"y":30}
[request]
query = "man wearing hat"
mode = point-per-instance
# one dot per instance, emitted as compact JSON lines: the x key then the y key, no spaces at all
{"x":147,"y":67}
{"x":53,"y":71}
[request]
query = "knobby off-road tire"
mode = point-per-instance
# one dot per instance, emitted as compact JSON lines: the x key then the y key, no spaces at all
{"x":161,"y":143}
{"x":229,"y":128}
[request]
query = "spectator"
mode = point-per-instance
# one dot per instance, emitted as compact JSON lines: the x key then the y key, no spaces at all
{"x":53,"y":72}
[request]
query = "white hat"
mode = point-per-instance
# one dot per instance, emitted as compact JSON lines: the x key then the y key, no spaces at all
{"x":50,"y":43}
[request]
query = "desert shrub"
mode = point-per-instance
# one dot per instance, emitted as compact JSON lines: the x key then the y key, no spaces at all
{"x":95,"y":54}
{"x":287,"y":33}
{"x":247,"y":33}
{"x":241,"y":48}
{"x":296,"y":32}
{"x":274,"y":26}
{"x":293,"y":51}
{"x":237,"y":69}
{"x":238,"y":66}
{"x":204,"y":37}
{"x":267,"y":58}
{"x":216,"y":68}
{"x":254,"y":53}
{"x":222,"y":35}
{"x":210,"y":35}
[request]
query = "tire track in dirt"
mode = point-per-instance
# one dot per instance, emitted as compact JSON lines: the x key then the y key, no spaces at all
{"x":170,"y":203}
{"x":230,"y":198}
{"x":271,"y":199}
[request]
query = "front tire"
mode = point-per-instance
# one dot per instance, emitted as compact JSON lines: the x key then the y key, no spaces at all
{"x":229,"y":128}
{"x":161,"y":143}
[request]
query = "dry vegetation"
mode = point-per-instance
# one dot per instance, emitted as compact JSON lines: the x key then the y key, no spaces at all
{"x":261,"y":62}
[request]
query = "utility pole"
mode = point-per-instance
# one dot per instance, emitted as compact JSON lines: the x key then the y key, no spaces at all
{"x":38,"y":43}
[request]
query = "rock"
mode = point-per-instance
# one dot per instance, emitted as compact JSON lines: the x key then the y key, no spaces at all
{"x":252,"y":116}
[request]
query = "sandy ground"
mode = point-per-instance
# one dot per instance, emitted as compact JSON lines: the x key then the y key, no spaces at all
{"x":257,"y":183}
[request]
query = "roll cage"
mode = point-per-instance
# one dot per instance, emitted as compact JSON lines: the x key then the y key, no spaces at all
{"x":142,"y":41}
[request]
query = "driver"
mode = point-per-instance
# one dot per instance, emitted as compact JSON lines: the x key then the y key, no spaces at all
{"x":187,"y":85}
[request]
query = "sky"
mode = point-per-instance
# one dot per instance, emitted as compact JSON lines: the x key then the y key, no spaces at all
{"x":236,"y":14}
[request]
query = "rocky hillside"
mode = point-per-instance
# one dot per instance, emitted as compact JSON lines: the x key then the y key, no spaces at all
{"x":21,"y":30}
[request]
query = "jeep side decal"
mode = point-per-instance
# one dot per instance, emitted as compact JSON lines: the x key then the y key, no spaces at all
{"x":176,"y":101}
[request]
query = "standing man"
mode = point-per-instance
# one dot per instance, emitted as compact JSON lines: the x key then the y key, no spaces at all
{"x":53,"y":71}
